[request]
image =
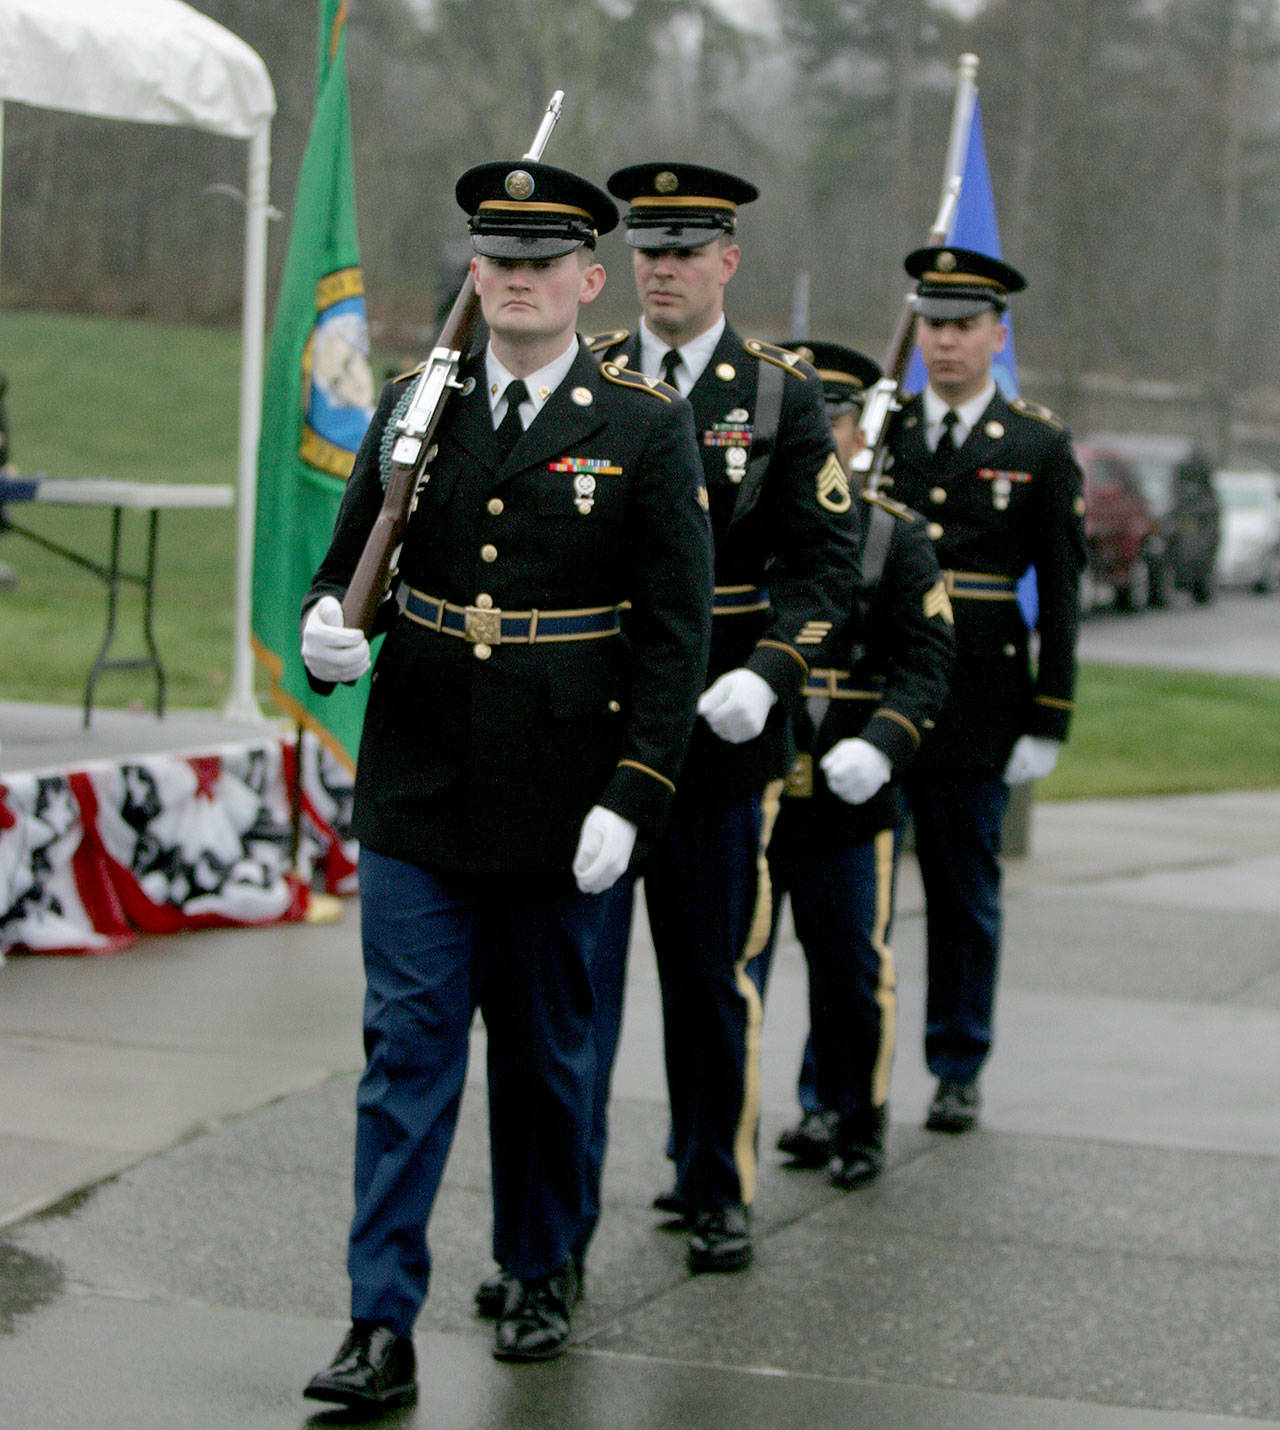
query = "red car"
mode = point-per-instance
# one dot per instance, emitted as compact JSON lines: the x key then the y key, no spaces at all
{"x":1119,"y":529}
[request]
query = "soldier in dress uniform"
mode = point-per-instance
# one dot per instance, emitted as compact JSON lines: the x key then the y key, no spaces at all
{"x":514,"y":745}
{"x":1001,"y":489}
{"x":875,"y":690}
{"x":785,"y":564}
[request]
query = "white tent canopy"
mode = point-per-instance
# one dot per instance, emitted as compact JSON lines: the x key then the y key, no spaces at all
{"x":161,"y":62}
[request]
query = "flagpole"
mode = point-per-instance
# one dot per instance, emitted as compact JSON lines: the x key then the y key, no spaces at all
{"x":957,"y":147}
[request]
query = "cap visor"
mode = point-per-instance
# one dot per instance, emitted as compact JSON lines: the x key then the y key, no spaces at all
{"x":955,"y":307}
{"x":684,"y":236}
{"x":505,"y":245}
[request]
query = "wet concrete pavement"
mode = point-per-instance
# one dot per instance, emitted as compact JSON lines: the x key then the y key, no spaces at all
{"x":175,"y":1139}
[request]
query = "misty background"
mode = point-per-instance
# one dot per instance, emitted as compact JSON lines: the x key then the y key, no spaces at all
{"x":1132,"y":146}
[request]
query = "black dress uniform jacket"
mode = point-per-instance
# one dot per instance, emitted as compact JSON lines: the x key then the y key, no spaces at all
{"x":1009,"y":498}
{"x":491,"y":764}
{"x":885,"y":674}
{"x":788,"y":527}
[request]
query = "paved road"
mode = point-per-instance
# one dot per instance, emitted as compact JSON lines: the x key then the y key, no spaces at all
{"x":1101,"y":1255}
{"x":1238,"y":634}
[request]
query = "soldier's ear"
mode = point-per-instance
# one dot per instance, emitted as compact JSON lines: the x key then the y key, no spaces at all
{"x":730,"y":255}
{"x":593,"y":276}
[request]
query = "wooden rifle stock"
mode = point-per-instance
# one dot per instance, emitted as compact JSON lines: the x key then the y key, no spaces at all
{"x":414,"y":431}
{"x":373,"y":571}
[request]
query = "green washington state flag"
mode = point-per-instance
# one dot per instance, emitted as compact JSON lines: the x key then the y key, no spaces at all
{"x":317,"y":401}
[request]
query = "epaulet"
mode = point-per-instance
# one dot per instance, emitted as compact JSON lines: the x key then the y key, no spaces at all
{"x":1033,"y":409}
{"x":780,"y":357}
{"x":602,"y":341}
{"x":624,"y":377}
{"x":894,"y":508}
{"x":413,"y":372}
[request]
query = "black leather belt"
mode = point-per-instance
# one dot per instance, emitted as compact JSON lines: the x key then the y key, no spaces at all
{"x":487,"y":625}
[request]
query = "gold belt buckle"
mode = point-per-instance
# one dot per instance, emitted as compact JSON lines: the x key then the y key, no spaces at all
{"x":799,"y":784}
{"x":483,"y":626}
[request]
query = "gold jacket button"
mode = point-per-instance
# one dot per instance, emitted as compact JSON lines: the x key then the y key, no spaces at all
{"x":1011,"y":649}
{"x":482,"y":651}
{"x":614,"y":706}
{"x":488,"y":552}
{"x":938,"y":495}
{"x":934,"y":531}
{"x":495,"y":506}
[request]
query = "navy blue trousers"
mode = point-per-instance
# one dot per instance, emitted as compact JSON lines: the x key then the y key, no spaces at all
{"x":842,"y":907}
{"x":958,"y":819}
{"x":437,"y":946}
{"x":701,"y":884}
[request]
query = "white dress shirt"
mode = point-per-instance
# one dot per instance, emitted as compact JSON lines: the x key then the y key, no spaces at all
{"x":694,"y":355}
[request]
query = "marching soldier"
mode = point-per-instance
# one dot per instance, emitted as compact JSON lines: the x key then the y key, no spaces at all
{"x":513,"y":748}
{"x":1000,"y":487}
{"x":785,"y":563}
{"x":876,"y":688}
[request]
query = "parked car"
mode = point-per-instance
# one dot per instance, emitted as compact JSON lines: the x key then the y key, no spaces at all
{"x":1249,"y":549}
{"x":1176,"y":481}
{"x":1119,"y":530}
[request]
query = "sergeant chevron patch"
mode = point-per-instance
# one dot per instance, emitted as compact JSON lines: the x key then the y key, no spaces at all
{"x":833,"y":486}
{"x":938,"y":603}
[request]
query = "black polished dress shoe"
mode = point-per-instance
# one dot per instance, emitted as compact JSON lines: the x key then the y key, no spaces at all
{"x":492,"y":1292}
{"x":858,"y":1154}
{"x":491,"y":1295}
{"x":811,"y":1142}
{"x":534,"y":1324}
{"x":374,"y":1370}
{"x":721,"y":1240}
{"x":674,"y":1206}
{"x":672,"y":1203}
{"x":954,"y":1107}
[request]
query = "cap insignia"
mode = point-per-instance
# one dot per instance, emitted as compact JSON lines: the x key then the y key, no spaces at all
{"x":805,"y":354}
{"x":946,"y":262}
{"x":666,"y":182}
{"x":519,"y":184}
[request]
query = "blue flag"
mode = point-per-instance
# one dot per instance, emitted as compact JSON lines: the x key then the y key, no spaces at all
{"x":973,"y":226}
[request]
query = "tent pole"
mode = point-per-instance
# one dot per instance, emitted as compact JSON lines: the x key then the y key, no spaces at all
{"x":242,"y":704}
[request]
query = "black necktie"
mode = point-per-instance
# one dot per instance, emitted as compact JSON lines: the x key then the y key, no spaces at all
{"x":946,"y":448}
{"x":670,"y":361}
{"x":509,"y":429}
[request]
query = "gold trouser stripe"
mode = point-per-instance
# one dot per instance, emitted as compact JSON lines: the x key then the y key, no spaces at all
{"x":744,"y":1146}
{"x":886,"y":987}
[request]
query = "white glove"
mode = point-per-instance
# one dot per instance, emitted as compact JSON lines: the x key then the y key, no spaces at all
{"x":604,"y":850}
{"x":1033,"y":758}
{"x":855,"y":770}
{"x":330,"y":650}
{"x":737,"y":705}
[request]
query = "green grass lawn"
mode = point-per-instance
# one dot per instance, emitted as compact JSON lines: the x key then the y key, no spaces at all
{"x":138,"y":402}
{"x":146,"y":402}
